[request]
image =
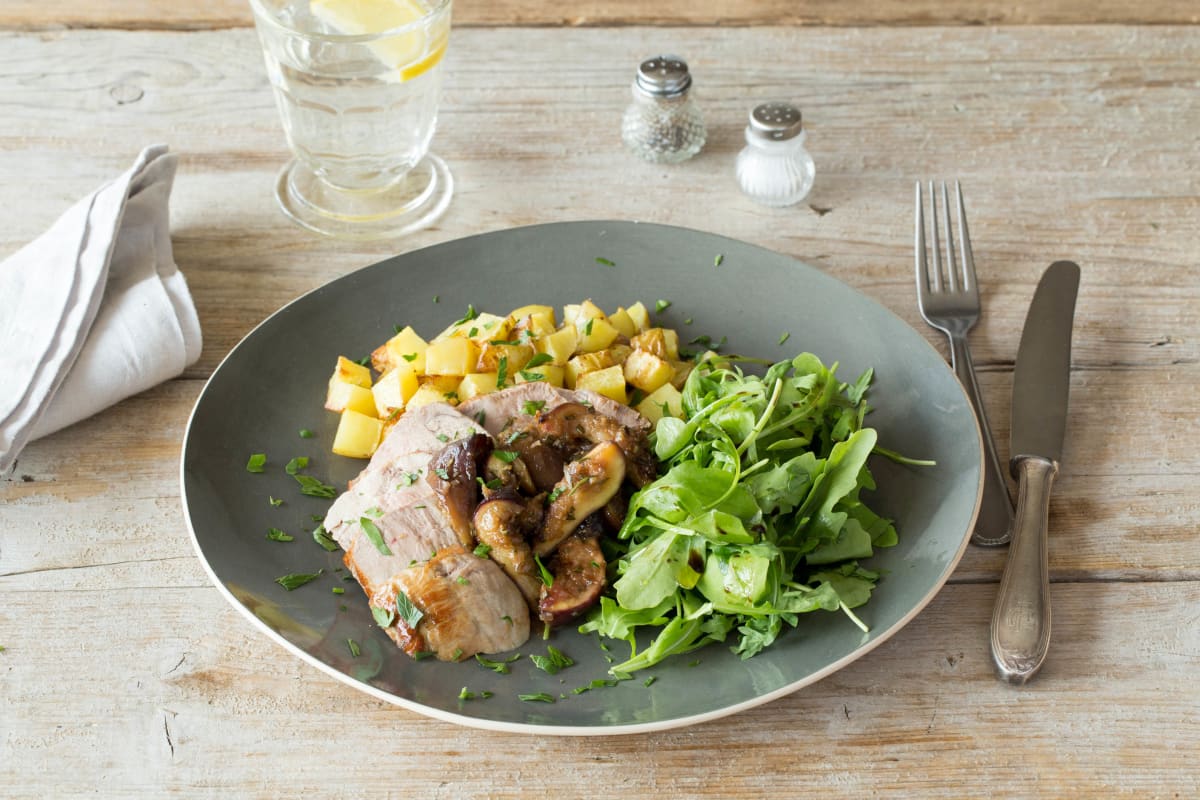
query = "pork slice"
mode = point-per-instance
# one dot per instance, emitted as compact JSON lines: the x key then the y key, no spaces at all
{"x":468,"y":606}
{"x":391,"y":493}
{"x":495,"y":410}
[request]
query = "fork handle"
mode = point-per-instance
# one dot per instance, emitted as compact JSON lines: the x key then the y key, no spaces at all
{"x":995,"y":522}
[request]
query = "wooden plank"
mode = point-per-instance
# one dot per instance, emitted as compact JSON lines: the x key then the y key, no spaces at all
{"x":149,"y":15}
{"x":202,"y":704}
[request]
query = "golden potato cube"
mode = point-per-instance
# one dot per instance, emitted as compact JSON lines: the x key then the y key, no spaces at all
{"x":531,"y":326}
{"x":481,"y":328}
{"x":609,"y":382}
{"x":618,"y":353}
{"x":515,"y":356}
{"x":550,"y":373}
{"x":475,"y":384}
{"x":453,"y":356}
{"x":443,"y":383}
{"x":559,"y":345}
{"x":647,"y":371}
{"x":357,"y":435}
{"x":596,"y":334}
{"x":393,"y":389}
{"x":342,"y":396}
{"x":431,"y":394}
{"x":584,"y":363}
{"x":661,"y":342}
{"x":663,"y":401}
{"x":348,"y":371}
{"x":639,"y":315}
{"x":624,"y":323}
{"x":578,"y":314}
{"x":682,"y":370}
{"x":544,"y":312}
{"x":406,"y":347}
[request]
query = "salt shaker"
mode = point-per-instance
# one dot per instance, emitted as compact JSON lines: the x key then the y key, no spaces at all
{"x":774,"y":168}
{"x":663,"y":124}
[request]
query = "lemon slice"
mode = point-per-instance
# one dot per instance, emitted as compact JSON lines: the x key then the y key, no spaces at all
{"x":411,"y":53}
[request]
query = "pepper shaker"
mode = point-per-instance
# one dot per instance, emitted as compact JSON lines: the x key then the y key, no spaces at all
{"x":663,"y":123}
{"x":774,"y":168}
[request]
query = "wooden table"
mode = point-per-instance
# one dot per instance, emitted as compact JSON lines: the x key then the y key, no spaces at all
{"x":1073,"y":126}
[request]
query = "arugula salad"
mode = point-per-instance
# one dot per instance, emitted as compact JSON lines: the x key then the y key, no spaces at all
{"x":756,"y":519}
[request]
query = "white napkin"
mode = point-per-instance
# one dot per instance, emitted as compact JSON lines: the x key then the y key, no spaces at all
{"x":94,"y":310}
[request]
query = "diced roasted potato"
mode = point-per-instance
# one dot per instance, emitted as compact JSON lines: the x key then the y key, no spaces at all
{"x":394,"y":389}
{"x":480,"y":328}
{"x":609,"y":382}
{"x":596,"y":334}
{"x":550,"y":373}
{"x":663,"y":401}
{"x":577,"y":315}
{"x":661,"y":342}
{"x":342,"y":396}
{"x":538,"y":320}
{"x":559,"y":345}
{"x":682,"y":370}
{"x":639,"y":315}
{"x":515,"y":356}
{"x":431,"y":394}
{"x":624,"y":323}
{"x":348,"y":371}
{"x":647,"y":371}
{"x":406,"y":347}
{"x":443,"y":383}
{"x":452,"y":356}
{"x":476,"y":384}
{"x":584,"y":363}
{"x":357,"y":435}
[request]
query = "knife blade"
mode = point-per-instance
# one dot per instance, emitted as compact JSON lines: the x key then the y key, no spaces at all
{"x":1041,"y":385}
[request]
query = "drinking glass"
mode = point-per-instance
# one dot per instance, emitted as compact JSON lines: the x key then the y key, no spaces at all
{"x":357,"y":85}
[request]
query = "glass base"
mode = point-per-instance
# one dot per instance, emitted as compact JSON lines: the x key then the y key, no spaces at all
{"x":412,"y":203}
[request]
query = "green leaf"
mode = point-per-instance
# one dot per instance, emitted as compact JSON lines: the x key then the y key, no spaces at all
{"x":531,"y":407}
{"x":314,"y":488}
{"x":373,"y":534}
{"x":538,"y":360}
{"x":256,"y":462}
{"x":407,"y":611}
{"x":322,"y":537}
{"x":276,"y":535}
{"x":298,"y":579}
{"x":384,"y":617}
{"x":305,"y":433}
{"x":554,"y":660}
{"x":547,"y":577}
{"x":539,"y":697}
{"x":296,"y":464}
{"x":500,"y":667}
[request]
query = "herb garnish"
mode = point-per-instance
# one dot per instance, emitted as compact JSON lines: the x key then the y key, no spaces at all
{"x":538,"y":360}
{"x":353,"y":645}
{"x":604,"y":261}
{"x":554,"y":661}
{"x":298,"y":579}
{"x":470,"y":315}
{"x":540,"y":697}
{"x":275,"y":501}
{"x":314,"y":488}
{"x":502,"y":372}
{"x":407,"y":611}
{"x":305,"y":433}
{"x":276,"y":535}
{"x":531,"y":407}
{"x":481,"y":550}
{"x":384,"y":617}
{"x":500,"y":667}
{"x":256,"y":462}
{"x":661,"y":306}
{"x":547,"y":578}
{"x":507,"y":456}
{"x":296,"y":464}
{"x":372,"y":532}
{"x":784,"y":337}
{"x":532,"y":377}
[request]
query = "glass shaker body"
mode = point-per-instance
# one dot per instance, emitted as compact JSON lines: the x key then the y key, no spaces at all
{"x":774,"y":168}
{"x":662,"y":123}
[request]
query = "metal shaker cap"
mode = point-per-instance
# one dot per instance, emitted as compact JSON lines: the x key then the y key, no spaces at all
{"x":776,"y":122}
{"x":664,"y":76}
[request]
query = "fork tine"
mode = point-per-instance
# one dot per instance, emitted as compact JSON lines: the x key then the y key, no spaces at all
{"x":970,"y":283}
{"x":919,"y":248}
{"x":951,"y":265}
{"x":935,"y":277}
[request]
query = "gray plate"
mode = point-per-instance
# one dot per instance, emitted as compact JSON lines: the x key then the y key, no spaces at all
{"x":273,"y":383}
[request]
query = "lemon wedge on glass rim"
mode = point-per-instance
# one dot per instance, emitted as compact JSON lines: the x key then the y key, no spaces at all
{"x":412,"y":52}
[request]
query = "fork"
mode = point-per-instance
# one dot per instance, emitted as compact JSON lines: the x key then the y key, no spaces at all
{"x":950,"y":303}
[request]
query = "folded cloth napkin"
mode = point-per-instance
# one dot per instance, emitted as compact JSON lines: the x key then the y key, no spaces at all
{"x":94,"y":310}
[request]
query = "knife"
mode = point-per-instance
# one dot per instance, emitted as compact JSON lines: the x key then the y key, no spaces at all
{"x":1041,"y":383}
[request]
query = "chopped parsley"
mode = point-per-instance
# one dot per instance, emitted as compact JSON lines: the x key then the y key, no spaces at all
{"x":462,"y":580}
{"x":502,"y":372}
{"x":314,"y":488}
{"x":409,"y":612}
{"x":338,"y":590}
{"x":717,"y":261}
{"x":661,"y":306}
{"x":409,"y":478}
{"x":372,"y":532}
{"x":532,"y":377}
{"x":322,"y":537}
{"x":587,"y":328}
{"x":353,"y":645}
{"x":275,"y":501}
{"x":305,"y":433}
{"x":554,"y":661}
{"x":296,"y":464}
{"x":783,"y":338}
{"x":482,"y":550}
{"x":410,"y":357}
{"x":530,"y":407}
{"x":507,"y":456}
{"x":470,"y":315}
{"x":256,"y":462}
{"x":649,"y":680}
{"x":276,"y":535}
{"x":538,"y":360}
{"x":547,"y":578}
{"x":441,"y":437}
{"x":500,"y":667}
{"x":540,"y":697}
{"x":604,"y":261}
{"x":442,"y":473}
{"x":298,"y":579}
{"x":383,"y":616}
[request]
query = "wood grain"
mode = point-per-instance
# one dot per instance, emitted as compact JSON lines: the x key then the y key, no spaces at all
{"x":125,"y":674}
{"x":218,"y":14}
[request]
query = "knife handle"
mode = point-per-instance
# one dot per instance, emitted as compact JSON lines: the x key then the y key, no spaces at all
{"x":1021,"y":619}
{"x":994,"y":524}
